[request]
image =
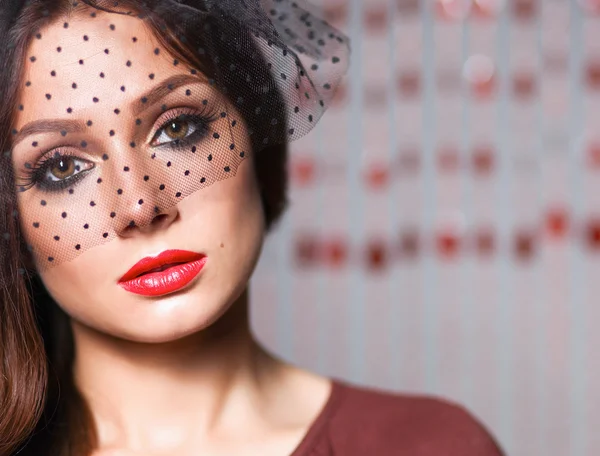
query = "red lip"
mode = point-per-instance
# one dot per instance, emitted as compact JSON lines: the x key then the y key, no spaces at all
{"x":181,"y":267}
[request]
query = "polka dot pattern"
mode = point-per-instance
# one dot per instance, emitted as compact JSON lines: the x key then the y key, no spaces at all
{"x":142,"y":136}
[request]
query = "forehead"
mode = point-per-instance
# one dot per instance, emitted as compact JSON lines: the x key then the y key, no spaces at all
{"x":90,"y":61}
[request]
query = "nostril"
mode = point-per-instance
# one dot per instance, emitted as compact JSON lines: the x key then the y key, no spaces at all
{"x":159,"y":218}
{"x":156,"y":221}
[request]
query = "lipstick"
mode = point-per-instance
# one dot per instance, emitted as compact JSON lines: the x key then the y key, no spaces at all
{"x":164,"y":273}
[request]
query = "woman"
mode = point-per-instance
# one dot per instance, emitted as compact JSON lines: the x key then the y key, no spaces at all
{"x":145,"y":163}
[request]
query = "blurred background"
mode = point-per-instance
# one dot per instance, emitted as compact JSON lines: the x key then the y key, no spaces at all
{"x":444,"y":229}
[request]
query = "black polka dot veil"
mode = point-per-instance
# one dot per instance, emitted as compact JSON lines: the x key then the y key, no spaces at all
{"x":115,"y":123}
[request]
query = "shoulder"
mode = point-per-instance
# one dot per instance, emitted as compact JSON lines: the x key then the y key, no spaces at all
{"x":369,"y":421}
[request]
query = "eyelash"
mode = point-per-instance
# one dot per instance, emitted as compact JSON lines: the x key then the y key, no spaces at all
{"x":36,"y":175}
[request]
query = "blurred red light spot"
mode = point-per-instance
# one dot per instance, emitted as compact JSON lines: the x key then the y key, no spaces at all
{"x":408,"y":6}
{"x":409,"y":83}
{"x":453,"y":9}
{"x":594,"y":154}
{"x":377,"y":176}
{"x":340,"y":95}
{"x":307,"y":250}
{"x":524,"y":245}
{"x":377,"y":255}
{"x":485,"y":9}
{"x":335,"y":14}
{"x":484,"y":89}
{"x":524,"y":85}
{"x":485,"y":242}
{"x":592,"y":234}
{"x":479,"y":71}
{"x":303,"y":171}
{"x":483,"y":159}
{"x":524,"y":9}
{"x":590,"y":6}
{"x":557,"y":222}
{"x":447,"y":243}
{"x":593,"y":75}
{"x":376,"y":19}
{"x":335,"y":252}
{"x":409,"y":243}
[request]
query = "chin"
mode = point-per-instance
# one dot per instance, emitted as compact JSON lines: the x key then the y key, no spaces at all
{"x":175,"y":316}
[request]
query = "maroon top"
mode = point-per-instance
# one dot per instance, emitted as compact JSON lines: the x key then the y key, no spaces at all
{"x":358,"y":421}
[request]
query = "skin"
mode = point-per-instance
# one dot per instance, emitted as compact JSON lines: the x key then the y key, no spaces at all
{"x":182,"y":373}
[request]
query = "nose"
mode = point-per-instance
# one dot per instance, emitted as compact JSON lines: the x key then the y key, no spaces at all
{"x":148,"y":223}
{"x":139,"y":204}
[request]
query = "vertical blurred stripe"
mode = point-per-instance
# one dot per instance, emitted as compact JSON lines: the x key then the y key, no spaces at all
{"x":357,"y":301}
{"x":577,"y":285}
{"x":396,"y":339}
{"x":505,"y":299}
{"x":430,"y":295}
{"x":285,"y":301}
{"x":323,"y":301}
{"x":539,"y":307}
{"x":466,"y":203}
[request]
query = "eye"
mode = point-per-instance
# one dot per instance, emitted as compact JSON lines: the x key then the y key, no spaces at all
{"x":53,"y":174}
{"x":176,"y":129}
{"x":62,"y":168}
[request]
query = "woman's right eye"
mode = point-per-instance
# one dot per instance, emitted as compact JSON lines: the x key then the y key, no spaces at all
{"x":64,"y":168}
{"x":56,"y":173}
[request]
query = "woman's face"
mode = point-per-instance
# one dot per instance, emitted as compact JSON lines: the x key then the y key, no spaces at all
{"x":119,"y":149}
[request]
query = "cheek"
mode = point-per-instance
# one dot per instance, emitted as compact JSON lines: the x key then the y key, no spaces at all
{"x":228,"y":214}
{"x":26,"y":218}
{"x":76,"y":283}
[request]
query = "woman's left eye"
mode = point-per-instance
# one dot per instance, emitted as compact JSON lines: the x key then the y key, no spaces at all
{"x":177,"y":129}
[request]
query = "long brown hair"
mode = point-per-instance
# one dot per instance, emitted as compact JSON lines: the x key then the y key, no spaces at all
{"x":41,"y":410}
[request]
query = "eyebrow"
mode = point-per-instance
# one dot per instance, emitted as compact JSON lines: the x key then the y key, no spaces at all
{"x":167,"y":86}
{"x":144,"y":102}
{"x":48,"y":126}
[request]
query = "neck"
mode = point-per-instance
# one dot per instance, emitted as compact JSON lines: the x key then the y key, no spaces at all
{"x":141,"y":392}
